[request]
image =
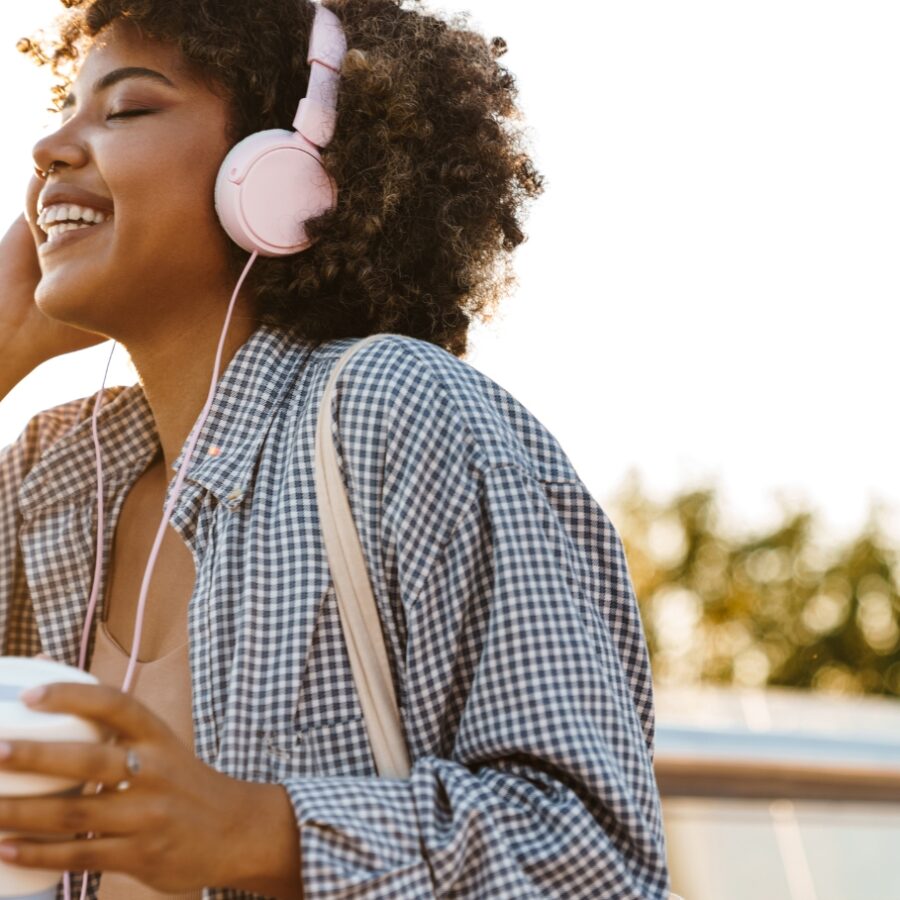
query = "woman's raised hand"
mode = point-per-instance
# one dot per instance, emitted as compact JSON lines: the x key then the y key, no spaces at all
{"x":27,"y":336}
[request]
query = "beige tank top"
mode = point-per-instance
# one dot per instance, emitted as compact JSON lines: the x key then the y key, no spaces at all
{"x":164,"y":685}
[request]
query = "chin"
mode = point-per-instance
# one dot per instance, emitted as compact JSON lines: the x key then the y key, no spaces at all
{"x":70,"y":303}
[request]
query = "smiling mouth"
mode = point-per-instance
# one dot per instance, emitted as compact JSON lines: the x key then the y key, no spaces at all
{"x":61,"y":218}
{"x":55,"y":231}
{"x":60,"y":234}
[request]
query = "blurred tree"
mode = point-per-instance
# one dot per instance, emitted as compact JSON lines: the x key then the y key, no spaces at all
{"x":771,"y":608}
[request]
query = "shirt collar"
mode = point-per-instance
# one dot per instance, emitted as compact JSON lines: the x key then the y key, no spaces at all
{"x":247,"y":393}
{"x":254,"y":383}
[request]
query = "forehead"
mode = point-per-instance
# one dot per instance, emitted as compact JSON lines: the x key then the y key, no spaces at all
{"x":122,"y":45}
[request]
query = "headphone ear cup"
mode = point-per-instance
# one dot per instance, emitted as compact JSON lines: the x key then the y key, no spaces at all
{"x":268,"y":186}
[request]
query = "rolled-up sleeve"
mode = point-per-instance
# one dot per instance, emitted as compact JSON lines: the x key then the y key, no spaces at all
{"x":531,"y":770}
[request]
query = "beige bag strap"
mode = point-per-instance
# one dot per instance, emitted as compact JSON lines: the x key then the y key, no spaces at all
{"x":356,"y":604}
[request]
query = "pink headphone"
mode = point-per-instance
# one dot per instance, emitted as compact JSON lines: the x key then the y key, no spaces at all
{"x":273,"y":181}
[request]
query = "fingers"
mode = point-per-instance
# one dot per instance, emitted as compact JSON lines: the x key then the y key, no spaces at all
{"x":79,"y":761}
{"x":99,"y":854}
{"x":103,"y":704}
{"x":112,"y":813}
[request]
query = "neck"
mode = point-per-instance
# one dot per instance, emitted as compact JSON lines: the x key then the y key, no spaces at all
{"x":175,"y":374}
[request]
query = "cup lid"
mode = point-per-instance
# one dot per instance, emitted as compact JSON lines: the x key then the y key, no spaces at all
{"x":17,"y":721}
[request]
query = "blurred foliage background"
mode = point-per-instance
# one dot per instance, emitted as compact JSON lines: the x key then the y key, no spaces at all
{"x":776,"y":608}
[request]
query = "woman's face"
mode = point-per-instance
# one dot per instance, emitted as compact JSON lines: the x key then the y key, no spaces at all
{"x":144,"y":148}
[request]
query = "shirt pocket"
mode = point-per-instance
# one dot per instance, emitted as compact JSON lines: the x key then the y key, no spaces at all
{"x":331,"y":748}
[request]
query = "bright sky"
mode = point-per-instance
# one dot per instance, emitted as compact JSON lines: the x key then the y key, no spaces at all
{"x":710,"y":289}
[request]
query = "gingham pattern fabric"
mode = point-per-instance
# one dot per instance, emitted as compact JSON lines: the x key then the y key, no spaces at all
{"x":510,"y":622}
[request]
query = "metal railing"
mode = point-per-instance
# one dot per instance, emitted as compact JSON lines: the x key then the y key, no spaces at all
{"x":704,"y":763}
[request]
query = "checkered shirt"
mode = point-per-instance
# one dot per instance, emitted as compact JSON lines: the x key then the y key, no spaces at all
{"x":510,"y":622}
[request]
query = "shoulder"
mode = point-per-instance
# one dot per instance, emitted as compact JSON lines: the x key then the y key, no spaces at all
{"x":54,"y":451}
{"x":418,"y":391}
{"x":46,"y":428}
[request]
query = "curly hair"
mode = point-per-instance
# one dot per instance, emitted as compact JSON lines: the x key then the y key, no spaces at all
{"x":428,"y":154}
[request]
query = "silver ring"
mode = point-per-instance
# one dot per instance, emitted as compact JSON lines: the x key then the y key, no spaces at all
{"x":132,"y":762}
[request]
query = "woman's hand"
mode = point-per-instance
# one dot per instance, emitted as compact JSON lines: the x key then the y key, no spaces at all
{"x":178,"y":826}
{"x":25,"y":332}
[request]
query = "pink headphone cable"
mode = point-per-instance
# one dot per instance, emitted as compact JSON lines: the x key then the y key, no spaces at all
{"x":98,"y":563}
{"x":170,"y":506}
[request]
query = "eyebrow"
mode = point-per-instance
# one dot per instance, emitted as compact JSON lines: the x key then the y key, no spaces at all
{"x":117,"y":75}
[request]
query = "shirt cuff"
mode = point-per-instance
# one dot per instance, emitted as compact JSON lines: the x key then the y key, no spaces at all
{"x":359,"y":837}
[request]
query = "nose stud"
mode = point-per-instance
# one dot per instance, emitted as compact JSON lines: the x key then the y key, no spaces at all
{"x":45,"y":175}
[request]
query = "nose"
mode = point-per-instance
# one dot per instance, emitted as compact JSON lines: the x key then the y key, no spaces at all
{"x":62,"y":148}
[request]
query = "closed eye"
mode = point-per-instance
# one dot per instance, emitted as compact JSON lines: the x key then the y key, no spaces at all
{"x":129,"y":113}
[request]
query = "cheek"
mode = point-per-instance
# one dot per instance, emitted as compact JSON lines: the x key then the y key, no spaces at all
{"x":168,"y":191}
{"x":175,"y":208}
{"x":193,"y":169}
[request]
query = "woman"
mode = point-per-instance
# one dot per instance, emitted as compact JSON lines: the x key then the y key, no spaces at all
{"x":512,"y":633}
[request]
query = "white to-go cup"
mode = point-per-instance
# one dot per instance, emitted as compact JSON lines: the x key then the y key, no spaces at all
{"x":20,"y":723}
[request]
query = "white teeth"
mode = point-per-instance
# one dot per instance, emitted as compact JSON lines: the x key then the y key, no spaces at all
{"x":70,"y":212}
{"x":54,"y":231}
